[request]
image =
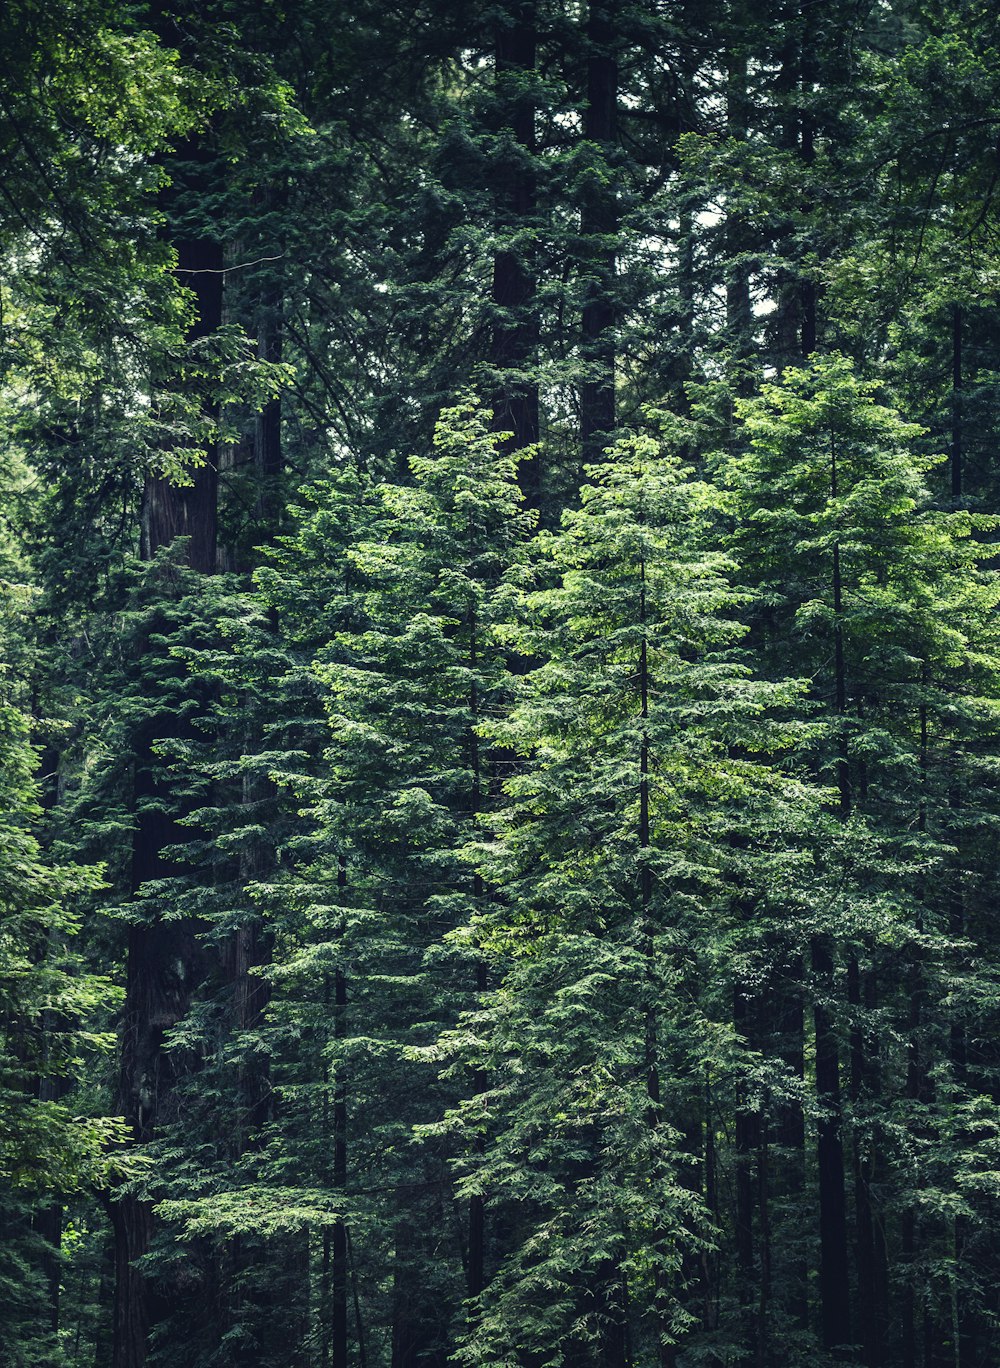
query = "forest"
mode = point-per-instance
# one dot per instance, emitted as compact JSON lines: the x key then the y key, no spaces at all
{"x":499,"y":684}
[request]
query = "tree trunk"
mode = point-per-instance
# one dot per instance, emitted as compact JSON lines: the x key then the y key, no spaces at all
{"x":163,"y":957}
{"x":956,"y":402}
{"x":132,"y":1223}
{"x":790,"y":1138}
{"x":338,"y":1236}
{"x":747,"y":1145}
{"x":515,"y":327}
{"x":835,"y":1305}
{"x":340,"y":1248}
{"x":870,"y":1313}
{"x":598,"y":228}
{"x":739,"y":312}
{"x":807,"y":68}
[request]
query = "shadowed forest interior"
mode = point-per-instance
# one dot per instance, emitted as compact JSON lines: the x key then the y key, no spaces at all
{"x":499,"y":684}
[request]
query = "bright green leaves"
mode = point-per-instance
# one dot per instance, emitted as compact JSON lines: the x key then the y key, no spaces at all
{"x":52,"y":1009}
{"x":839,"y":532}
{"x":648,"y":761}
{"x":636,"y":631}
{"x":412,"y":683}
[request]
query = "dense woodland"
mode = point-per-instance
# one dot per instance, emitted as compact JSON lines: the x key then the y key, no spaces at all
{"x":500,"y":684}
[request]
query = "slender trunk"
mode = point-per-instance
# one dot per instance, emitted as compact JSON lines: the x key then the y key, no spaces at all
{"x":48,"y":1224}
{"x":335,"y":1271}
{"x":764,"y":1226}
{"x":965,"y":1322}
{"x":667,"y":1351}
{"x":598,"y":228}
{"x":710,"y":1259}
{"x":747,"y":1146}
{"x":681,"y":369}
{"x":476,"y":1279}
{"x":359,"y":1325}
{"x":739,"y":312}
{"x":339,"y":1252}
{"x":787,"y":336}
{"x":956,"y":402}
{"x":268,"y":453}
{"x":835,"y":1306}
{"x":862,"y":1159}
{"x":249,"y":949}
{"x":790,"y":1138}
{"x":807,"y":286}
{"x":515,"y":328}
{"x":50,"y":1085}
{"x":163,"y":957}
{"x":105,"y":1329}
{"x":873,"y":1066}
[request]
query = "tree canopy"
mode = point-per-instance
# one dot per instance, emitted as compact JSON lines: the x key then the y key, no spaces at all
{"x":499,"y":684}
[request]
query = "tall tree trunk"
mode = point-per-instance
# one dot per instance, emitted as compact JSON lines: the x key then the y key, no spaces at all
{"x":163,"y":957}
{"x":871,"y":1313}
{"x":790,"y":1138}
{"x":132,"y":1223}
{"x":739,"y":312}
{"x":956,"y":471}
{"x":268,"y":453}
{"x":747,"y":1128}
{"x":788,"y":310}
{"x":835,"y":1304}
{"x":808,"y":72}
{"x":50,"y":1086}
{"x":339,"y":1236}
{"x":515,"y":327}
{"x":476,"y":1279}
{"x":598,"y":229}
{"x":666,"y":1348}
{"x":251,"y":469}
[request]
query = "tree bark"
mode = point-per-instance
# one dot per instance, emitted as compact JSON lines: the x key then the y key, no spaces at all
{"x":164,"y":958}
{"x":598,"y":228}
{"x":956,"y":471}
{"x":747,"y":1146}
{"x":515,"y":328}
{"x":739,"y":311}
{"x":835,"y":1303}
{"x":871,"y":1313}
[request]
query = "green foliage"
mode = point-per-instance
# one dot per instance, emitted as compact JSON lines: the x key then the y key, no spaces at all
{"x":558,"y":949}
{"x":643,"y":742}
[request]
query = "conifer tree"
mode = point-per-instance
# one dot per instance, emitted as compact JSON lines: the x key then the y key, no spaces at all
{"x":637,"y":733}
{"x":54,"y":1011}
{"x":881,"y":597}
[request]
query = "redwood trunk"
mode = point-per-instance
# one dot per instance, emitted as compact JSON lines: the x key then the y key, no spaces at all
{"x":515,"y":327}
{"x":163,"y":957}
{"x":598,"y":227}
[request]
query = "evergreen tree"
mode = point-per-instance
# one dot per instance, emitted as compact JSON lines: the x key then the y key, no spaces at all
{"x":885,"y":601}
{"x":641,"y":736}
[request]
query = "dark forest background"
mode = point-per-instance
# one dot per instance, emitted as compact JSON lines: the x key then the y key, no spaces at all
{"x":500,"y":685}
